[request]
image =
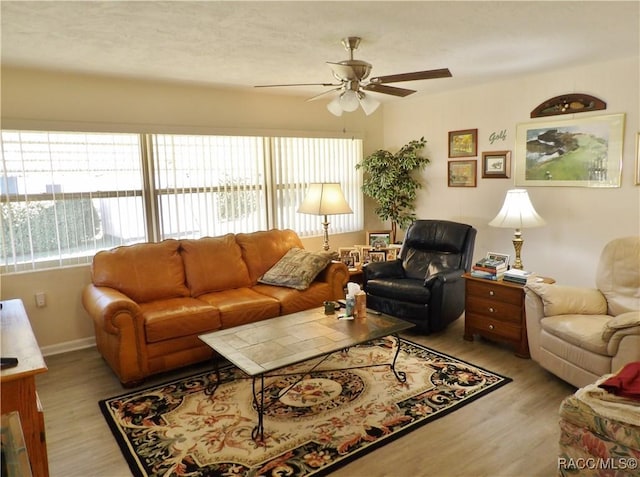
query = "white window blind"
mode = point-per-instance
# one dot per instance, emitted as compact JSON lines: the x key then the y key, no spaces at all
{"x":64,"y":196}
{"x":209,"y":185}
{"x":297,"y":162}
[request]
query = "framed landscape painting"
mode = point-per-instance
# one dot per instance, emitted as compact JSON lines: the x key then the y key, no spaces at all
{"x":585,"y":152}
{"x":463,"y":143}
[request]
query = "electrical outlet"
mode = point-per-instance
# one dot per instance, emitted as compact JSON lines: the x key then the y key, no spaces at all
{"x":41,"y":300}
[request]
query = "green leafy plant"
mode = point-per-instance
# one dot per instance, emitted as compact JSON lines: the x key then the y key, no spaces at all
{"x":389,"y":180}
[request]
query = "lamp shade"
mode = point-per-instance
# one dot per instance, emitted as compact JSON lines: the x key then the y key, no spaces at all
{"x":368,"y":104}
{"x":517,"y":212}
{"x":325,"y":199}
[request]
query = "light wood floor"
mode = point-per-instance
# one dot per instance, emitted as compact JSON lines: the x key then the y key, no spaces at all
{"x":510,"y":432}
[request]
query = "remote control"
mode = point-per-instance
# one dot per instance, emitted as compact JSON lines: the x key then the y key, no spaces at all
{"x":8,"y":363}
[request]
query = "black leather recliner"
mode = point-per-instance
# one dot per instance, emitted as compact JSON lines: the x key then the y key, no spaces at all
{"x":425,"y":285}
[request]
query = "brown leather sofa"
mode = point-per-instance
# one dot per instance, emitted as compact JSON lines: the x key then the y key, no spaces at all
{"x":149,"y":302}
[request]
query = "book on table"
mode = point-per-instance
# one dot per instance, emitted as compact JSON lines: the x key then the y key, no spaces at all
{"x":491,"y":263}
{"x":488,"y":275}
{"x":517,"y":276}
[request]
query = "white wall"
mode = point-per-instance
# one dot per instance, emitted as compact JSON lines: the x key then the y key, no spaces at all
{"x":579,"y":220}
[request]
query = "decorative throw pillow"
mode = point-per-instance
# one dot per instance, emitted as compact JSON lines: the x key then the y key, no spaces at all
{"x":296,"y":269}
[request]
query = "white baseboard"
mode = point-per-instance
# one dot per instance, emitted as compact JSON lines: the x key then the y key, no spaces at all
{"x":68,"y":346}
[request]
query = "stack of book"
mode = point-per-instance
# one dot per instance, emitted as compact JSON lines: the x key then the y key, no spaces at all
{"x":517,"y":276}
{"x":489,"y":269}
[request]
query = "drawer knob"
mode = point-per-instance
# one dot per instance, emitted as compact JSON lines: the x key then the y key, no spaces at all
{"x":491,"y":292}
{"x":492,"y":310}
{"x":491,"y":327}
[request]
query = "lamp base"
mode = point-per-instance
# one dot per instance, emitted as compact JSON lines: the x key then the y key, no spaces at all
{"x":325,"y":225}
{"x":517,"y":245}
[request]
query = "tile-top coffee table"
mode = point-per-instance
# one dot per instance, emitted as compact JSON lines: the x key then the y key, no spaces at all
{"x":261,"y":348}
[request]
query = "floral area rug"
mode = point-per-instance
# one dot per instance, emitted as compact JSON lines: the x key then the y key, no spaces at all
{"x":329,"y":417}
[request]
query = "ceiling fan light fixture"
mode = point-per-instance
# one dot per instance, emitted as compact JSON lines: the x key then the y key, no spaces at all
{"x":334,"y":106}
{"x":369,"y":104}
{"x":349,"y":101}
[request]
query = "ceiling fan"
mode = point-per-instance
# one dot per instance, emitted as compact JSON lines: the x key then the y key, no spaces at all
{"x":353,"y":85}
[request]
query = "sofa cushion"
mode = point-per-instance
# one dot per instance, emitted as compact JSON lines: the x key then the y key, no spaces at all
{"x":240,"y":306}
{"x":297,"y":269}
{"x":261,"y":250}
{"x":292,"y":301}
{"x":144,"y":272}
{"x":584,"y":331}
{"x":562,"y":300}
{"x":213,"y":264}
{"x":176,"y":317}
{"x":409,"y":290}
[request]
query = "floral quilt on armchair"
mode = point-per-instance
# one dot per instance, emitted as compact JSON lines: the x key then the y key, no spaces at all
{"x":599,"y":434}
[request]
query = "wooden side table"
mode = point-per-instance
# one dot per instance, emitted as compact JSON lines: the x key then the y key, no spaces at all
{"x":356,"y":275}
{"x":18,"y":384}
{"x":495,"y":310}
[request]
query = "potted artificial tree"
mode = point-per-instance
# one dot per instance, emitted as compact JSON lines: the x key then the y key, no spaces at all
{"x":389,"y":181}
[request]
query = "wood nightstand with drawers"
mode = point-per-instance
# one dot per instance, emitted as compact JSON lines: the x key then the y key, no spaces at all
{"x":495,"y":310}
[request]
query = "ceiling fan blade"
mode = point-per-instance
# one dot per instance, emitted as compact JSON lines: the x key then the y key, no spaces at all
{"x":384,"y":89}
{"x":294,"y":84}
{"x":313,"y":98}
{"x":343,"y":72}
{"x":417,"y":75}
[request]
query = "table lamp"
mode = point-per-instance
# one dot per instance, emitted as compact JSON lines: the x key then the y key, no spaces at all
{"x":517,"y":213}
{"x":325,"y":199}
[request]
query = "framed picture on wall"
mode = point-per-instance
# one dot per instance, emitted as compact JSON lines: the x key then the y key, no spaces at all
{"x":463,"y":143}
{"x":496,"y":165}
{"x":462,"y":173}
{"x":580,"y":152}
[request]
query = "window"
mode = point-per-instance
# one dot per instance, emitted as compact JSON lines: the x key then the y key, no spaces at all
{"x":65,"y":196}
{"x":300,"y":161}
{"x":209,"y":185}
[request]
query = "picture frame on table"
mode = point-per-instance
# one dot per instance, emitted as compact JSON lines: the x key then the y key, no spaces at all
{"x":346,"y":257}
{"x":392,"y":254}
{"x":462,"y":173}
{"x":503,"y":257}
{"x":496,"y":165}
{"x":579,"y":152}
{"x":463,"y":143}
{"x":364,"y":253}
{"x":377,"y":256}
{"x":378,"y":239}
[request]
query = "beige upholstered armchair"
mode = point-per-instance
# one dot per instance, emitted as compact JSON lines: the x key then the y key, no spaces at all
{"x":580,"y":334}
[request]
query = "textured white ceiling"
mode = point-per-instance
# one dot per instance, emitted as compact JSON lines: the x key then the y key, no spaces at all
{"x":242,"y":44}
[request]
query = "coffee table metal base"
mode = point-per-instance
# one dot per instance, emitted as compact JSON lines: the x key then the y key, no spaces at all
{"x":257,"y":384}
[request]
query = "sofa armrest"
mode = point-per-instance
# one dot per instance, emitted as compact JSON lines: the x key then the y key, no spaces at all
{"x":445,"y":276}
{"x":390,"y":269}
{"x":566,"y":300}
{"x":106,"y":306}
{"x":119,"y":331}
{"x":336,"y":274}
